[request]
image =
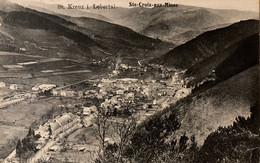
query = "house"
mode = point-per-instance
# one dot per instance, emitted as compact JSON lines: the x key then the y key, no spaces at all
{"x":100,"y":96}
{"x":124,"y":66}
{"x":86,"y":111}
{"x":35,"y":88}
{"x":130,"y":95}
{"x":71,"y":93}
{"x":116,"y":72}
{"x":119,"y":92}
{"x":63,"y":123}
{"x":39,"y":145}
{"x":22,"y":49}
{"x":100,"y":85}
{"x":182,"y":93}
{"x":89,"y":110}
{"x":128,"y":80}
{"x":80,"y":93}
{"x":88,"y":120}
{"x":55,"y":92}
{"x":114,"y":100}
{"x":13,"y":87}
{"x":54,"y":148}
{"x":2,"y":84}
{"x":44,"y":87}
{"x":105,"y":80}
{"x":63,"y":93}
{"x":146,"y":91}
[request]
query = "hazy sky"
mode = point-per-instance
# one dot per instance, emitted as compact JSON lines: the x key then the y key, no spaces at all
{"x":249,"y":5}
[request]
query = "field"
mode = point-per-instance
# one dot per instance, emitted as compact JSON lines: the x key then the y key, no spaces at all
{"x":38,"y":70}
{"x":16,"y":120}
{"x":8,"y":58}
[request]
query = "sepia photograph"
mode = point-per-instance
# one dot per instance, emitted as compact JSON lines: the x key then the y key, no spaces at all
{"x":129,"y":81}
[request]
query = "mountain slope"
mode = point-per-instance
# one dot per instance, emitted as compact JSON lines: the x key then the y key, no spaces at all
{"x":186,"y":124}
{"x":219,"y":106}
{"x":207,"y":44}
{"x":229,"y":66}
{"x":173,"y":28}
{"x":116,"y":37}
{"x":28,"y":20}
{"x":52,"y":9}
{"x":74,"y":37}
{"x":224,"y":64}
{"x":7,"y":6}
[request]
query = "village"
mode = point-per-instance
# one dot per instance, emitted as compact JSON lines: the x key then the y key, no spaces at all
{"x":118,"y":97}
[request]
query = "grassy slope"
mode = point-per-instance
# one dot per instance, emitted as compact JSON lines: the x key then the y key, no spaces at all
{"x":105,"y":29}
{"x":219,"y":106}
{"x":33,"y":21}
{"x":196,"y":115}
{"x":42,"y":36}
{"x":118,"y":38}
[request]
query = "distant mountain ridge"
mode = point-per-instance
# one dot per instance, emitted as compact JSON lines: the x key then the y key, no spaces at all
{"x":177,"y":24}
{"x":171,"y":24}
{"x":207,"y":44}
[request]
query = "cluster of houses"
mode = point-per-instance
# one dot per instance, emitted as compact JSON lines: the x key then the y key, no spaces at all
{"x":120,"y":94}
{"x":60,"y":126}
{"x":73,"y":93}
{"x":65,"y":93}
{"x":89,"y":113}
{"x":11,"y":86}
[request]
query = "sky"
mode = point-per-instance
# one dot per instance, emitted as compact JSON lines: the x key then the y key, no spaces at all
{"x":244,"y":5}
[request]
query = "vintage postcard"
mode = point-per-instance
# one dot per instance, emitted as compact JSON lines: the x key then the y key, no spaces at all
{"x":129,"y":81}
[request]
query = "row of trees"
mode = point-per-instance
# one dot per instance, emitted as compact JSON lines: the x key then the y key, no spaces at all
{"x":112,"y":150}
{"x":239,"y":142}
{"x":27,"y":147}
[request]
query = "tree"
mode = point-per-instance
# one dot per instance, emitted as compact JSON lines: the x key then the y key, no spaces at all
{"x":19,"y":149}
{"x":183,"y":142}
{"x":236,"y":143}
{"x":123,"y":132}
{"x":50,"y":131}
{"x":101,"y":125}
{"x":28,"y":144}
{"x":31,"y":132}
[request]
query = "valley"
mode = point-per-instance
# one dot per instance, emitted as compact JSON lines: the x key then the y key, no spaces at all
{"x":128,"y":84}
